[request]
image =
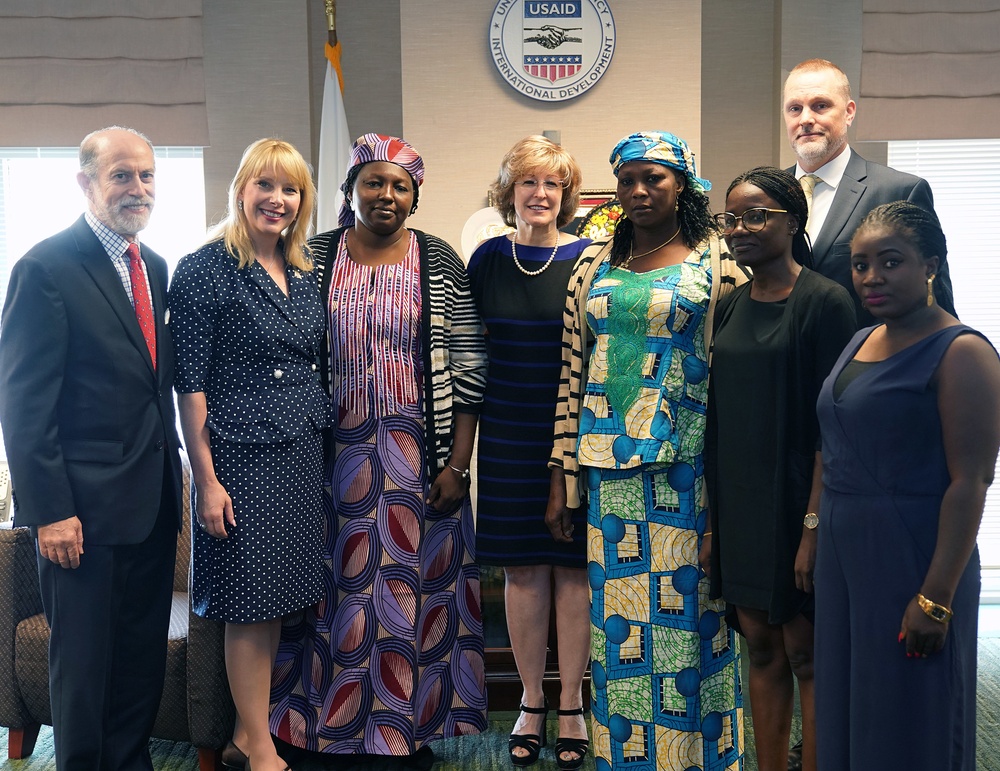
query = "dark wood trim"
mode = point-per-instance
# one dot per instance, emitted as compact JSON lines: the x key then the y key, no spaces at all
{"x":503,"y":686}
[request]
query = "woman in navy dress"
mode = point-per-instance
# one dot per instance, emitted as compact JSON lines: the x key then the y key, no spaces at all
{"x":519,"y":283}
{"x":910,"y":420}
{"x":248,"y":325}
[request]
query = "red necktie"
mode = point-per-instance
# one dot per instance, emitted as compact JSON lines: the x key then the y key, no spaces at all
{"x":140,"y":296}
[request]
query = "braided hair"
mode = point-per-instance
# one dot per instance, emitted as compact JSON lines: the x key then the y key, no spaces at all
{"x":785,"y":190}
{"x":694,"y":215}
{"x":920,"y":228}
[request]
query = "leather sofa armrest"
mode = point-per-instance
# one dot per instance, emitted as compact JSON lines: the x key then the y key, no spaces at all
{"x":211,"y":713}
{"x":20,"y":598}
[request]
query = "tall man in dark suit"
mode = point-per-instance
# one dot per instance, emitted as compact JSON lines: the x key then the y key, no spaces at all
{"x":86,"y":369}
{"x":844,"y":186}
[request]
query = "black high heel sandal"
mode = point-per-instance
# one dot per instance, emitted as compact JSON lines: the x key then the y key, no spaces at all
{"x":233,"y":757}
{"x":533,"y":743}
{"x":564,"y":744}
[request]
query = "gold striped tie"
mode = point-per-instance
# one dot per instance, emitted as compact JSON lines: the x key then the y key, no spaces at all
{"x":808,"y":182}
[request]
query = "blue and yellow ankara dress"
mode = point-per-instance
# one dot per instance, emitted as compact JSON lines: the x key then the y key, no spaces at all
{"x":665,"y":673}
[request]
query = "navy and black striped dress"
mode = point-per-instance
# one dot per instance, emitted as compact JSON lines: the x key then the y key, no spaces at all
{"x":524,"y":321}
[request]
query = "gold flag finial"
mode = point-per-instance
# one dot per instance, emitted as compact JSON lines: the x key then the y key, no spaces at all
{"x":331,"y":14}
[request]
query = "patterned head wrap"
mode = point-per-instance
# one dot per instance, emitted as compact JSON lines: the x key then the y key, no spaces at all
{"x":380,"y":147}
{"x":659,"y":147}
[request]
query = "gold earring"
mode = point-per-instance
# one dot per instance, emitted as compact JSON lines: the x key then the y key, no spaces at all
{"x":930,"y":290}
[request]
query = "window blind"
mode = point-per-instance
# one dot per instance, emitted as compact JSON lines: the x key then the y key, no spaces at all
{"x":67,"y":68}
{"x":965,"y":178}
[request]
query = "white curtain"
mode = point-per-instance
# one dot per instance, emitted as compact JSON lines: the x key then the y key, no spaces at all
{"x":930,"y":70}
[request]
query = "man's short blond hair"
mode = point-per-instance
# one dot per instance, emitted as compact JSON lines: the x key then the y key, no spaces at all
{"x":819,"y":65}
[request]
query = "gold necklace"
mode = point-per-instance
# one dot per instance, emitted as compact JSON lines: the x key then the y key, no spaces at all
{"x":637,"y":256}
{"x":271,"y":262}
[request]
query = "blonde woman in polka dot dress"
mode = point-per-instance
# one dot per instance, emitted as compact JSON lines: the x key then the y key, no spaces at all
{"x":248,"y":326}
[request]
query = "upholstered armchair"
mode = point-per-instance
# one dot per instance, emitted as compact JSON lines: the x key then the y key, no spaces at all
{"x":196,"y":706}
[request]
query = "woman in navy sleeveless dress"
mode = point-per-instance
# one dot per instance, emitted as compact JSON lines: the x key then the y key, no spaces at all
{"x":910,"y":419}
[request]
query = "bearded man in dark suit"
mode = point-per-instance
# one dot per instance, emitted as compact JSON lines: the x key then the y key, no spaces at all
{"x":818,"y":109}
{"x":86,"y":369}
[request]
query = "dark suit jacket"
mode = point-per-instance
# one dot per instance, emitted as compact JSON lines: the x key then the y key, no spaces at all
{"x":865,"y":185}
{"x":86,"y":420}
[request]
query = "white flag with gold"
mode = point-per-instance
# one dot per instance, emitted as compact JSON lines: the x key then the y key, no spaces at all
{"x":334,"y":144}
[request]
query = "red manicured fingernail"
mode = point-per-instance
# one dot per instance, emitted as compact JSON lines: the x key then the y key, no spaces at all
{"x":900,"y":637}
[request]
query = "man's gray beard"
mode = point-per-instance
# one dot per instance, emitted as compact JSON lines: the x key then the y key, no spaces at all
{"x":126,"y":223}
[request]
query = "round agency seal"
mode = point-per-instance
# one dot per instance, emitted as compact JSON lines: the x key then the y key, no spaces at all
{"x":552,"y":51}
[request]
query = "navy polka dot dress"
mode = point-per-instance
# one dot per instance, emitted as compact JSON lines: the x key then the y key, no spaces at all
{"x":253,"y":352}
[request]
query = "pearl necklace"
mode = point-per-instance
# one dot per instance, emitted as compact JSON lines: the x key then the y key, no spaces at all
{"x":525,"y":271}
{"x":644,"y":254}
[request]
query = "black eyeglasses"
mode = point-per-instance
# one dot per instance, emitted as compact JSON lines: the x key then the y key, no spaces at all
{"x":754,"y":220}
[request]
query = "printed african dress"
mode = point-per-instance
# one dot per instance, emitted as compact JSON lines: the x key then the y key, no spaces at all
{"x":392,"y":659}
{"x":666,"y":690}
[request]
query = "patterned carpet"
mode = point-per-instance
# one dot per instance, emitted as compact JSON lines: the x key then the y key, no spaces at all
{"x":489,"y":751}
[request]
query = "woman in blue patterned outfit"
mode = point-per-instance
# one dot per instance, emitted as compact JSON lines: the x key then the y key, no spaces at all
{"x":665,"y":675}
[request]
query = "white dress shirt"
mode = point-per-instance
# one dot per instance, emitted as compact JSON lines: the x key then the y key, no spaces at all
{"x":830,"y":175}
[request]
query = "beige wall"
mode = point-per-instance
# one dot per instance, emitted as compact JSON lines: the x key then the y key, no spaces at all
{"x":826,"y":30}
{"x":711,"y":73}
{"x":264,"y":70}
{"x":257,"y":82}
{"x":462,"y":116}
{"x":370,"y":32}
{"x":740,"y":79}
{"x":748,"y":50}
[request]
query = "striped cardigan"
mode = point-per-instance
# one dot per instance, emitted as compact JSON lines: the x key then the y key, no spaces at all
{"x":453,"y":345}
{"x":726,"y":276}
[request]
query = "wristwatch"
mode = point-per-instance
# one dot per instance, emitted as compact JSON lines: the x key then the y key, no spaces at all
{"x":811,"y":521}
{"x":938,"y":612}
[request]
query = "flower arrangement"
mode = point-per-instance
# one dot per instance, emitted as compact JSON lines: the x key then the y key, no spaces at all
{"x":600,"y":223}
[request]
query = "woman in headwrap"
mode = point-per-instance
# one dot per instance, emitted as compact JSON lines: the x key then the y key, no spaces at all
{"x":392,"y":659}
{"x":630,"y":428}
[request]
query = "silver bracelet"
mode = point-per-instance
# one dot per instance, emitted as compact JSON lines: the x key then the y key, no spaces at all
{"x":463,"y":474}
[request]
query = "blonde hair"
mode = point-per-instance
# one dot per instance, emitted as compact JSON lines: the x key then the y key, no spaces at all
{"x":823,"y":65}
{"x":263,"y":156}
{"x":537,"y":154}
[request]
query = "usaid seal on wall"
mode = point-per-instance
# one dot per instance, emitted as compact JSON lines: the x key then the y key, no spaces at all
{"x":552,"y":51}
